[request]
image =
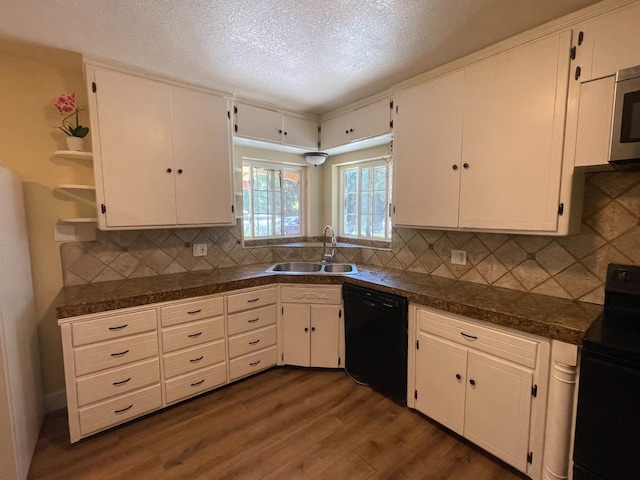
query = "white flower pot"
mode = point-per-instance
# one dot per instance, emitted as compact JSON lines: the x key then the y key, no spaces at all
{"x":75,"y":143}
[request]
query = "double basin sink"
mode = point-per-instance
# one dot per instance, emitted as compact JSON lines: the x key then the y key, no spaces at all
{"x":314,"y":268}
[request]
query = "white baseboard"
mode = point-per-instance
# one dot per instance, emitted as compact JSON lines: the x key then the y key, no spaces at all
{"x":55,"y":401}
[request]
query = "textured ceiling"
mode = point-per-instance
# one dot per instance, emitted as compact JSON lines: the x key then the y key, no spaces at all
{"x":305,"y":55}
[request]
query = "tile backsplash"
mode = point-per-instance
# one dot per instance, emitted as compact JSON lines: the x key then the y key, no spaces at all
{"x":569,"y":267}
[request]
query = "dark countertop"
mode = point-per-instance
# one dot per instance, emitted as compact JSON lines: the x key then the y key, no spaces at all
{"x":551,"y":317}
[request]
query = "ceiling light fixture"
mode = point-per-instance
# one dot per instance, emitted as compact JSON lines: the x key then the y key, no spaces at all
{"x":315,"y":158}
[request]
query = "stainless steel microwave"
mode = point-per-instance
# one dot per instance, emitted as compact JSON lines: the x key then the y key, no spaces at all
{"x":625,"y":133}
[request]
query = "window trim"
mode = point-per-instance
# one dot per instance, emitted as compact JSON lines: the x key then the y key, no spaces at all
{"x":282,"y":166}
{"x":372,"y":162}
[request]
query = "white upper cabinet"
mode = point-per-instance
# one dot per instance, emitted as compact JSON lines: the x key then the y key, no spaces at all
{"x":370,"y":121}
{"x":615,"y":40}
{"x":272,"y":126}
{"x":512,"y":137}
{"x":162,"y":153}
{"x":481,"y":148}
{"x":427,"y":151}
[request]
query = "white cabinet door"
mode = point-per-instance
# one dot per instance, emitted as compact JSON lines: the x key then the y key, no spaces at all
{"x":427,"y":150}
{"x":513,"y":131}
{"x":325,"y":336}
{"x":258,"y":123}
{"x":440,"y":381}
{"x":616,"y":42}
{"x":334,"y":132}
{"x":498,"y":408}
{"x":300,"y":132}
{"x":132,"y":133}
{"x":594,"y":122}
{"x":297,"y":335}
{"x":370,"y":121}
{"x":202,"y":158}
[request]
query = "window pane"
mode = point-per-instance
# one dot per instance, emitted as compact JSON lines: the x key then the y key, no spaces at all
{"x":351,"y":181}
{"x":351,"y":225}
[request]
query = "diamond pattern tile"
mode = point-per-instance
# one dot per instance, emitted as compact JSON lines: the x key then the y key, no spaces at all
{"x":567,"y":267}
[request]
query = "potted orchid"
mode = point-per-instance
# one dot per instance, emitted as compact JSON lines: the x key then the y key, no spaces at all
{"x":66,"y":105}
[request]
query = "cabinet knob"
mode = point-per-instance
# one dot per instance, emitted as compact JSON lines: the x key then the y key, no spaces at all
{"x":458,"y":376}
{"x":465,"y":165}
{"x":179,"y":170}
{"x":285,"y":133}
{"x":347,"y":131}
{"x":279,"y":131}
{"x":306,"y":329}
{"x":351,"y":130}
{"x":455,"y":167}
{"x":313,"y":329}
{"x":169,"y":170}
{"x":472,"y":381}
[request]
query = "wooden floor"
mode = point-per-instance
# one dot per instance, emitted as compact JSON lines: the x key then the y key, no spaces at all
{"x":282,"y":424}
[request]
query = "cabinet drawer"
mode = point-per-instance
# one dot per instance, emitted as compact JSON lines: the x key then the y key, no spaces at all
{"x":251,"y":319}
{"x":191,"y":334}
{"x":190,"y":359}
{"x":252,"y":341}
{"x":311,"y":294}
{"x":238,"y":302}
{"x":115,"y":353}
{"x":505,"y":345}
{"x":112,"y":327}
{"x":119,"y":409}
{"x":117,"y":381}
{"x":195,"y":382}
{"x":196,"y":310}
{"x":253,"y":362}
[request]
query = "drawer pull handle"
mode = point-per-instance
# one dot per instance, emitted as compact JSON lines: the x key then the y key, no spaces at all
{"x":119,"y":354}
{"x":253,"y":364}
{"x":117,"y":412}
{"x":194,"y":335}
{"x":196,"y":360}
{"x":253,"y":320}
{"x":120,"y":327}
{"x":198,"y":383}
{"x":193,"y":312}
{"x":255,"y":342}
{"x":253,"y":300}
{"x":470,"y":337}
{"x":121,"y":382}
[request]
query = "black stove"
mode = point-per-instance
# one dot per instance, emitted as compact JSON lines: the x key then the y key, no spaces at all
{"x":607,"y":440}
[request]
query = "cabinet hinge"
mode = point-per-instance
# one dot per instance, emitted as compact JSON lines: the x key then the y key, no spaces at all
{"x":580,"y":38}
{"x":391,"y":124}
{"x":534,"y":391}
{"x":235,"y":127}
{"x":530,"y":457}
{"x":340,"y":313}
{"x":235,"y":109}
{"x":578,"y":72}
{"x":415,"y":394}
{"x":233,"y":209}
{"x":417,"y":344}
{"x":94,"y":87}
{"x":572,"y":53}
{"x":228,"y":114}
{"x":339,"y":361}
{"x":282,"y":356}
{"x":391,"y":104}
{"x":103,"y":208}
{"x":394,"y":209}
{"x":282,"y":310}
{"x":561,"y":209}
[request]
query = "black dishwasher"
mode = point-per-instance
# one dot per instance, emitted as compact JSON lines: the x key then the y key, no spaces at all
{"x":376,"y":339}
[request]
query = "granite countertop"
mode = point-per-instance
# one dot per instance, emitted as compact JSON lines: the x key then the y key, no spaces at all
{"x":551,"y":317}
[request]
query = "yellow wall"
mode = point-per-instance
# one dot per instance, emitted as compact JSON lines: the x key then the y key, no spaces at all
{"x":30,"y":79}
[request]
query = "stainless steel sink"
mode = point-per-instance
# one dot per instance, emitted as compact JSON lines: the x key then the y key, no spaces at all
{"x":314,"y":267}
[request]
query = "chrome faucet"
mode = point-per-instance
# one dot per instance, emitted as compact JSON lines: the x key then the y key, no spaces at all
{"x":326,"y":257}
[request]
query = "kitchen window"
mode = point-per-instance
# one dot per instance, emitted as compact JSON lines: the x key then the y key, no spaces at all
{"x":365,"y":192}
{"x":271,"y":200}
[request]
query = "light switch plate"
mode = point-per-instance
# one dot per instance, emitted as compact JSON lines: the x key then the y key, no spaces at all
{"x":459,"y":257}
{"x":64,"y":233}
{"x":199,"y":249}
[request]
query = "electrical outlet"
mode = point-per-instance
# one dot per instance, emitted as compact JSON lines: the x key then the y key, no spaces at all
{"x":199,"y":249}
{"x":458,"y":257}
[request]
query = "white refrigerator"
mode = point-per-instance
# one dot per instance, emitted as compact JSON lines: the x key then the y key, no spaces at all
{"x":21,"y":401}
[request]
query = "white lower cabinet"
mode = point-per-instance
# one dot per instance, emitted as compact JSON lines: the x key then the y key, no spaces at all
{"x":312,"y":326}
{"x":485,"y":383}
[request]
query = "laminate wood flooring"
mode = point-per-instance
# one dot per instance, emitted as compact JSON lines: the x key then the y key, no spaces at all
{"x":282,"y":424}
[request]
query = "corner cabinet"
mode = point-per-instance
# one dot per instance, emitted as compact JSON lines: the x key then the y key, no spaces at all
{"x":312,"y":325}
{"x":485,"y":383}
{"x":162,"y":153}
{"x":500,"y":164}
